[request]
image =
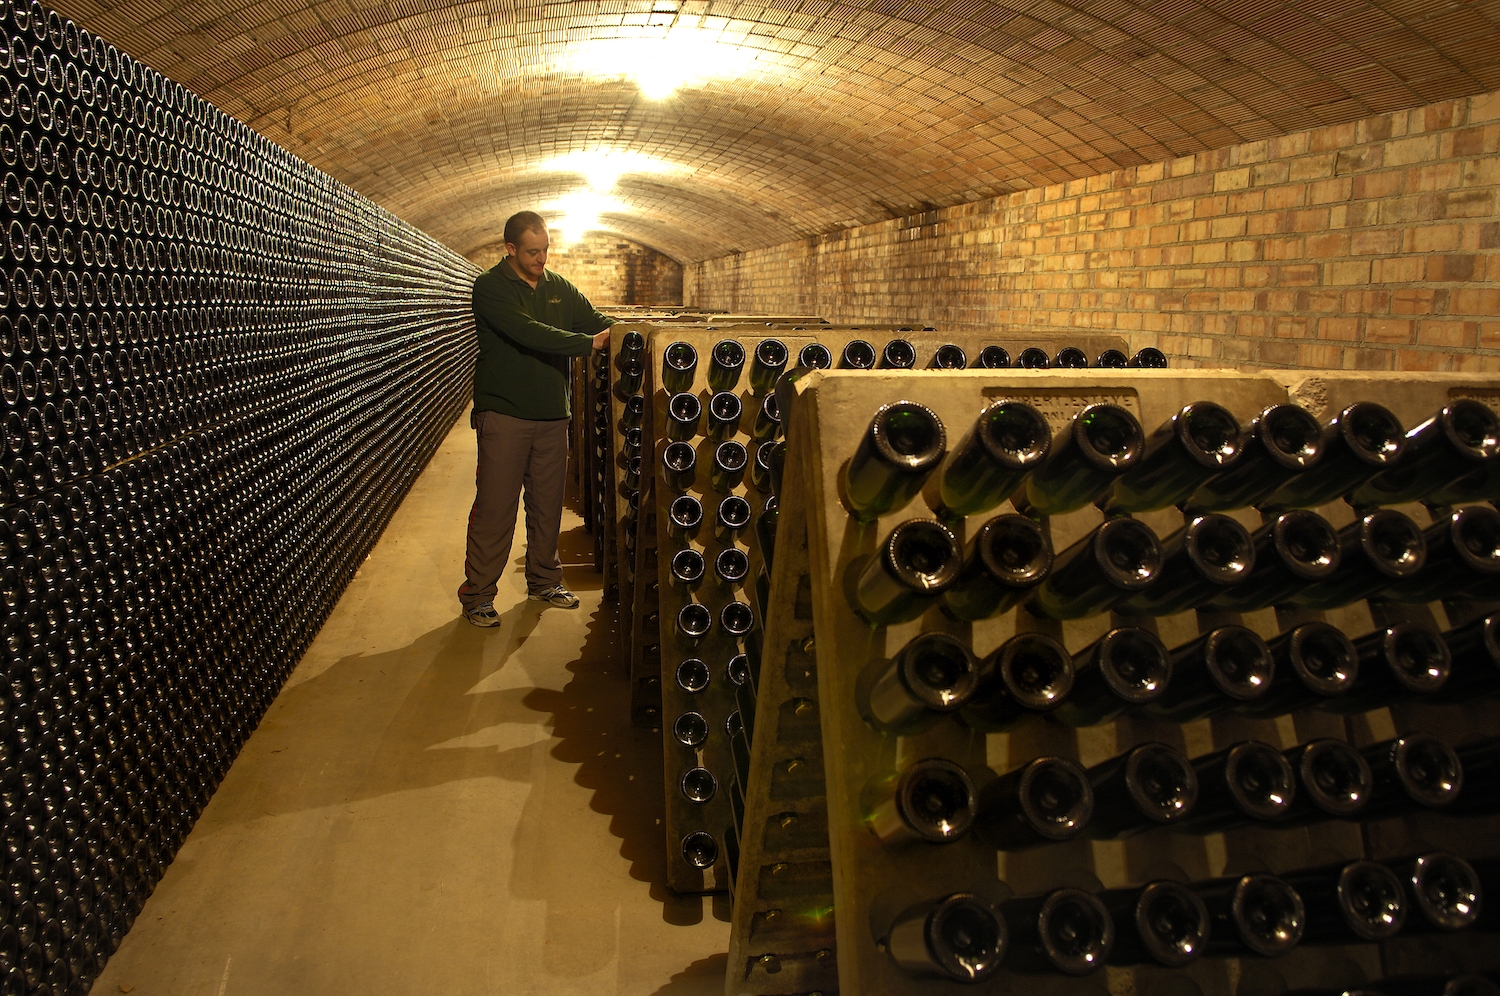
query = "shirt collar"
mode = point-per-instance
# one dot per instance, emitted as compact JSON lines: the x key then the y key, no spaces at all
{"x":508,"y":271}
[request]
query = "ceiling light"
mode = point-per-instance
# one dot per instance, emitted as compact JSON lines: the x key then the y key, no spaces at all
{"x":602,"y":168}
{"x":665,"y":61}
{"x":574,"y":215}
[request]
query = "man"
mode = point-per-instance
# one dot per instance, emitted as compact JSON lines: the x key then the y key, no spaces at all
{"x":530,"y":323}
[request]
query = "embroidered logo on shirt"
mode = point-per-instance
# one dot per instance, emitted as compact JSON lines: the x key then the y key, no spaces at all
{"x":554,"y":300}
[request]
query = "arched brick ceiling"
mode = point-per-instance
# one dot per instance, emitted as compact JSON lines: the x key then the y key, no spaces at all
{"x":851,"y":112}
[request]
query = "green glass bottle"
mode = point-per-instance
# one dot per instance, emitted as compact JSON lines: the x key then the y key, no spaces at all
{"x":1282,"y":442}
{"x":1009,"y":440}
{"x":1124,"y":670}
{"x":1031,"y":674}
{"x":1397,"y":664}
{"x":1375,"y":551}
{"x":679,"y":365}
{"x":1294,"y":550}
{"x":1192,"y":446}
{"x":1459,"y":439}
{"x":933,"y":675}
{"x":1358,"y":443}
{"x":916,"y":563}
{"x":1224,"y":668}
{"x":1110,"y":564}
{"x":725,"y":361}
{"x":1009,"y":556}
{"x":1315,"y":662}
{"x":1210,"y":554}
{"x":904,"y":444}
{"x":1463,"y":559}
{"x":1100,"y":443}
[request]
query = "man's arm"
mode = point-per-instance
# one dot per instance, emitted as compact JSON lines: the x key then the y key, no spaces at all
{"x":506,"y":317}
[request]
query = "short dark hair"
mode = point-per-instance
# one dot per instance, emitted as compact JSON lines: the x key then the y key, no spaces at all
{"x":522,"y":222}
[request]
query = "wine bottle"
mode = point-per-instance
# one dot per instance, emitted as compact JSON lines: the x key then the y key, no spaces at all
{"x":1149,"y":358}
{"x":725,"y":361}
{"x":1293,"y":551}
{"x":632,"y":376}
{"x":899,"y":354}
{"x":1475,"y":652}
{"x":1258,"y":914}
{"x":1044,"y":801}
{"x":1008,"y":441}
{"x":679,"y":364}
{"x":683,"y":413}
{"x":687,"y":569}
{"x":694,"y":621}
{"x":1224,"y":668}
{"x":904,"y":443}
{"x":698,"y":785}
{"x":1355,"y":902}
{"x":770,"y":359}
{"x":765,"y":531}
{"x":730,"y":458}
{"x":700,"y":850}
{"x":776,"y":463}
{"x":1282,"y":442}
{"x":632,"y":344}
{"x":1161,"y":923}
{"x":724,"y":411}
{"x":731,"y":518}
{"x":1456,"y":441}
{"x":1010,"y":555}
{"x":679,"y":463}
{"x":731,"y":566}
{"x":1093,"y":575}
{"x":858,"y":355}
{"x":1203,"y":558}
{"x":632,"y":480}
{"x":635,"y":410}
{"x":1098,"y":445}
{"x":932,"y":801}
{"x":1481,"y":484}
{"x":768,"y":420}
{"x":1413,"y":773}
{"x":1396,"y":664}
{"x":1151,"y":785}
{"x":1358,"y":443}
{"x":949,"y":357}
{"x":1123,"y":670}
{"x":960,"y":937}
{"x":736,"y":618}
{"x":933,"y":675}
{"x":1245,"y":785}
{"x":760,"y":470}
{"x":1463,"y":559}
{"x":684,"y":516}
{"x":1315,"y":662}
{"x":1375,"y":550}
{"x":1029,"y":675}
{"x":1333,"y":782}
{"x":1201,"y":440}
{"x":915,"y":564}
{"x":692,"y":675}
{"x":1417,"y":985}
{"x":1033,"y":358}
{"x":1112,"y":359}
{"x":815,"y":356}
{"x":1443,"y":892}
{"x":993,"y":358}
{"x":1067,"y":931}
{"x":690,"y":729}
{"x":1071,"y":358}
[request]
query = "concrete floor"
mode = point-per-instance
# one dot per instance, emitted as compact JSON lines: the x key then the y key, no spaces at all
{"x":431,"y":808}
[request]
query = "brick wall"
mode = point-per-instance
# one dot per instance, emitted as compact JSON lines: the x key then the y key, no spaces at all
{"x":608,"y":270}
{"x":1372,"y":245}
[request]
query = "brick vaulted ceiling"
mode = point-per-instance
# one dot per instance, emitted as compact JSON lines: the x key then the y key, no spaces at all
{"x":793,"y":117}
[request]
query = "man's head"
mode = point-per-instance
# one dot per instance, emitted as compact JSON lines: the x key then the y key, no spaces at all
{"x":526,"y":243}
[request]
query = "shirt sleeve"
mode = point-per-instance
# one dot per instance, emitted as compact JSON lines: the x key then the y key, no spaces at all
{"x":587,"y":318}
{"x":495,"y":308}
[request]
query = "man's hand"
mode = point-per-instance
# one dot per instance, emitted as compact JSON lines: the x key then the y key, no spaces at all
{"x":601,"y":341}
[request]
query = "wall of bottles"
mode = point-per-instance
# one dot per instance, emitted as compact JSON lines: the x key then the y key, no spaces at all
{"x":220,"y":371}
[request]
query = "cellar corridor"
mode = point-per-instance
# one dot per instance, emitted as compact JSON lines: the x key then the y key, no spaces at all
{"x":433,"y":808}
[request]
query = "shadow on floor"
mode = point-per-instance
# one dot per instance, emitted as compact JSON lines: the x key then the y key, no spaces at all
{"x":704,"y":977}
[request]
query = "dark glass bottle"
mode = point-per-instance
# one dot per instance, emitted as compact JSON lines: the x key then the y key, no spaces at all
{"x":1070,"y":358}
{"x":932,"y":801}
{"x":1208,"y":555}
{"x":1315,"y":662}
{"x":899,"y":354}
{"x":725,"y":361}
{"x":1412,"y":773}
{"x":767,"y":420}
{"x":690,"y":729}
{"x":736,"y":618}
{"x":1293,"y":551}
{"x":1376,"y":550}
{"x":960,"y":937}
{"x":904,"y":443}
{"x":692,"y":675}
{"x":993,"y":358}
{"x":1112,"y":359}
{"x":1481,"y":484}
{"x":1100,"y":443}
{"x":1463,"y":559}
{"x":1113,"y":562}
{"x":1358,"y":443}
{"x":1123,"y":670}
{"x":684,"y":516}
{"x":915,"y":564}
{"x":1149,"y":358}
{"x":632,"y":375}
{"x":1201,"y":440}
{"x":687,"y":569}
{"x":1224,"y":668}
{"x":1456,"y":441}
{"x":1282,"y":442}
{"x":730,"y":459}
{"x":1008,"y":441}
{"x":700,"y":850}
{"x":858,"y":355}
{"x":679,"y":364}
{"x":724,"y":411}
{"x":815,"y":356}
{"x":1355,"y":902}
{"x":632,"y":344}
{"x":1160,"y":923}
{"x":1066,"y":931}
{"x":694,"y":622}
{"x":1247,"y":784}
{"x":1151,"y":785}
{"x":765,"y":531}
{"x":683,"y":414}
{"x":1396,"y":664}
{"x":731,"y":566}
{"x":949,"y":357}
{"x":1029,"y":675}
{"x":770,"y":359}
{"x":1475,"y":652}
{"x":731,"y":518}
{"x":933,"y":675}
{"x":698,"y":785}
{"x":1333,"y":782}
{"x":632,"y":445}
{"x":1443,"y":893}
{"x":1255,"y":914}
{"x":1010,"y":555}
{"x":1044,"y":801}
{"x":760,"y":469}
{"x":1033,"y":358}
{"x":635,"y":410}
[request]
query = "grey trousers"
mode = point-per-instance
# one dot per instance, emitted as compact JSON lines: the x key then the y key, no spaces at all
{"x":515,"y":453}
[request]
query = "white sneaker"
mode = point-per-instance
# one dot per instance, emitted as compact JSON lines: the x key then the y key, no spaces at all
{"x":483,"y":615}
{"x":556,"y":596}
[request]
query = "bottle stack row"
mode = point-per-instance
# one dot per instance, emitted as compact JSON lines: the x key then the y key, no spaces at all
{"x":1123,"y":680}
{"x":220,"y":372}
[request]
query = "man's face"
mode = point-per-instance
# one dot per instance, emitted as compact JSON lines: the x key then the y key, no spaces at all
{"x":530,"y":253}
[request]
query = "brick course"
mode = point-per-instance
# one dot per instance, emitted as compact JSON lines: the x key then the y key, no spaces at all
{"x":1368,"y":245}
{"x":608,"y":270}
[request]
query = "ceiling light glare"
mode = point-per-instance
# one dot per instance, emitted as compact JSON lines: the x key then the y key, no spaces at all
{"x":603,"y":168}
{"x":661,"y":65}
{"x":574,"y":215}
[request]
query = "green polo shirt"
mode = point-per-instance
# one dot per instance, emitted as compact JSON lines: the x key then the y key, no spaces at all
{"x":526,"y":341}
